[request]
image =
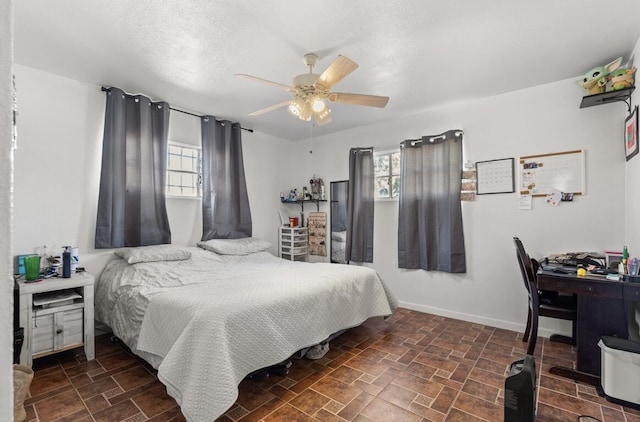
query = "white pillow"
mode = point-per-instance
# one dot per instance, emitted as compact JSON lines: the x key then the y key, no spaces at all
{"x":339,"y":236}
{"x":153,"y":253}
{"x":244,"y":246}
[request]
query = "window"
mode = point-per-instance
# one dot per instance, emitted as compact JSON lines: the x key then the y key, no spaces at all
{"x":387,"y":173}
{"x":184,"y":171}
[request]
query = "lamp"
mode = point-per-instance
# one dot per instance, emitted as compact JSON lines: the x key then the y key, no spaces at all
{"x":305,"y":107}
{"x":318,"y":105}
{"x":296,"y":106}
{"x":324,"y":116}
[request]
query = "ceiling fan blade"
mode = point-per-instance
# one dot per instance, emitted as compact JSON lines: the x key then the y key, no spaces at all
{"x":359,"y":99}
{"x":270,"y":108}
{"x":336,"y":71}
{"x":263,"y":81}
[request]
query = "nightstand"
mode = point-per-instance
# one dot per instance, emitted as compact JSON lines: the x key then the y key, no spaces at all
{"x":57,"y":315}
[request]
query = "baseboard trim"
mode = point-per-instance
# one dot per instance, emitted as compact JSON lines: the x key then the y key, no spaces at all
{"x":476,"y":319}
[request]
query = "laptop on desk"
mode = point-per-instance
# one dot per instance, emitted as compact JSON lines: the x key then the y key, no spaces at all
{"x":559,"y":268}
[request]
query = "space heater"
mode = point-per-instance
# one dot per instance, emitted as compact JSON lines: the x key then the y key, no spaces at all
{"x":520,"y":391}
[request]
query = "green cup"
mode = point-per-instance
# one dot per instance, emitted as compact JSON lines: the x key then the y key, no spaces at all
{"x":32,"y":267}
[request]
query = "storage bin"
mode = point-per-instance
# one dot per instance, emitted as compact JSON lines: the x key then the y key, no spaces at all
{"x":620,"y":376}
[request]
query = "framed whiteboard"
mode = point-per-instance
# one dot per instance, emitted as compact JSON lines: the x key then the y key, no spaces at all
{"x":563,"y":171}
{"x":495,"y":176}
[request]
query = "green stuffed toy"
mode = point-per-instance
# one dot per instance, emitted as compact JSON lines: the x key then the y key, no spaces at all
{"x":595,"y":80}
{"x":622,"y":78}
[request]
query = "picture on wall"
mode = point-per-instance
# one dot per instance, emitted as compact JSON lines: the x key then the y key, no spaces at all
{"x":495,"y":176}
{"x":631,"y":134}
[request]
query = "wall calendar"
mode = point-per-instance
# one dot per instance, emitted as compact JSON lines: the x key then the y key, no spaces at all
{"x":495,"y":176}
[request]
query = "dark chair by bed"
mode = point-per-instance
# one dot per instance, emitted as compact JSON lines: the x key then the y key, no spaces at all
{"x":542,"y":303}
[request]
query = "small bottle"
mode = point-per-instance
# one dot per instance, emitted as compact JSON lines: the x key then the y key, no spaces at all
{"x":66,"y":264}
{"x":625,"y":258}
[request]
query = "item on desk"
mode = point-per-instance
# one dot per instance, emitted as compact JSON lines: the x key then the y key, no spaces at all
{"x":613,"y":277}
{"x":632,"y":267}
{"x":625,"y":258}
{"x":32,"y":267}
{"x":75,"y":258}
{"x":581,"y":272}
{"x":66,"y":262}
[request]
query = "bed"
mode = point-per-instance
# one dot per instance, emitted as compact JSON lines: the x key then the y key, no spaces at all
{"x":205,"y":319}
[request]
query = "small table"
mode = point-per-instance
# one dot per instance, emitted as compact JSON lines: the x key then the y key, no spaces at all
{"x":49,"y":330}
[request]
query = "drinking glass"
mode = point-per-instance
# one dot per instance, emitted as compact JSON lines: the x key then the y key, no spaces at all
{"x":32,"y":267}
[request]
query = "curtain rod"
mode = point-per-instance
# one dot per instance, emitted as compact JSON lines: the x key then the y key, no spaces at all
{"x":107,"y":89}
{"x":433,"y":138}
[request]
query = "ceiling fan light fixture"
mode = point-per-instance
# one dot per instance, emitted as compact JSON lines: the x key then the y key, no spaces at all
{"x":323,"y":116}
{"x":318,"y":105}
{"x":296,"y":106}
{"x":305,"y":112}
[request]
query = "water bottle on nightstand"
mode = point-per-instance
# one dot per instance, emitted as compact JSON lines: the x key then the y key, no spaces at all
{"x":66,"y":262}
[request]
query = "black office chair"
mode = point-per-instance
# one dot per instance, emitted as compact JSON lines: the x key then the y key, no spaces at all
{"x":541,"y":303}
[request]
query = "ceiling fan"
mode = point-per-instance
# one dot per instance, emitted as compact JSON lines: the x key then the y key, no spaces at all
{"x":310,"y":91}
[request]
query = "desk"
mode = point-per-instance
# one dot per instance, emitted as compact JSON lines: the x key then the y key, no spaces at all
{"x":601,"y":311}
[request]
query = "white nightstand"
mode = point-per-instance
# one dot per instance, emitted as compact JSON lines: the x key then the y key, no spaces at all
{"x":55,"y":324}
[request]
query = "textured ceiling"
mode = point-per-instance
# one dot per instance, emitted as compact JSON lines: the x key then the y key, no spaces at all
{"x":422,"y":54}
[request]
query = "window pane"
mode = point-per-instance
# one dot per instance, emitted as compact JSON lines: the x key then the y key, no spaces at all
{"x":381,"y":165}
{"x":382,"y":187}
{"x":174,"y":150}
{"x":187,"y":164}
{"x":395,"y":186}
{"x":174,"y":179}
{"x":174,"y":162}
{"x":174,"y":190}
{"x":395,"y":163}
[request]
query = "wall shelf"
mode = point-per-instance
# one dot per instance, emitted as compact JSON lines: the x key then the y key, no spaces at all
{"x":301,"y":202}
{"x":621,"y":95}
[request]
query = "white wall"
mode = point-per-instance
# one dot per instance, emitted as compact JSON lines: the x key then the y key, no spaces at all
{"x":631,"y":178}
{"x":632,"y":206}
{"x":542,"y":119}
{"x":6,"y":265}
{"x":57,"y":171}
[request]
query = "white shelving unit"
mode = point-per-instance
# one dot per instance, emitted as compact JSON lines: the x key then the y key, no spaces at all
{"x":57,"y":314}
{"x":293,"y":243}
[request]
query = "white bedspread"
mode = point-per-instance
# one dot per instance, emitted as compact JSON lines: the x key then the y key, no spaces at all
{"x":208,"y":322}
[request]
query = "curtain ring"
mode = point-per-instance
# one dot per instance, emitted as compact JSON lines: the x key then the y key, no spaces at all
{"x":206,"y":119}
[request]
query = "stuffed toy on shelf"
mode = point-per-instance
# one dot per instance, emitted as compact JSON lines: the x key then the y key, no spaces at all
{"x":622,"y":78}
{"x":595,"y":80}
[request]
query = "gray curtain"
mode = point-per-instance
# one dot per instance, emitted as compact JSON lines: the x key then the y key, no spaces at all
{"x":225,"y":203}
{"x":360,"y":206}
{"x":430,"y":234}
{"x":131,"y":202}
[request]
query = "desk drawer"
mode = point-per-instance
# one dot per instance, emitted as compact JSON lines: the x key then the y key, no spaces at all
{"x":587,"y":287}
{"x":632,"y":292}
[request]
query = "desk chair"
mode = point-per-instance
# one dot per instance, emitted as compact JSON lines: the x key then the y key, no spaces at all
{"x":542,"y":304}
